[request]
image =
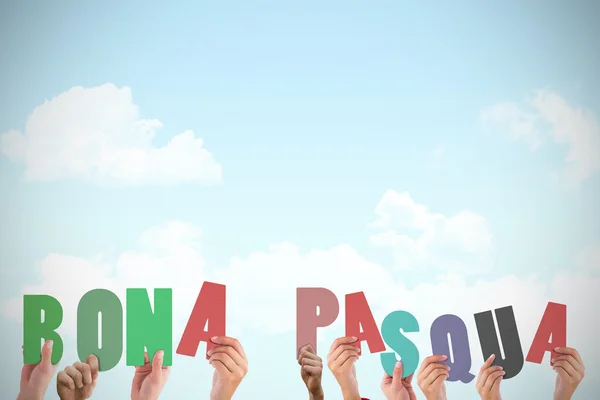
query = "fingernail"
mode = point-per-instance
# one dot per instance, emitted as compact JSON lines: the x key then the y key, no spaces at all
{"x":556,"y":348}
{"x":359,"y":350}
{"x":160,"y":354}
{"x":398,"y":365}
{"x":209,"y":353}
{"x":214,"y":338}
{"x":503,"y":373}
{"x":49,"y":344}
{"x":354,"y":338}
{"x":449,"y":368}
{"x":552,"y":361}
{"x":444,"y":357}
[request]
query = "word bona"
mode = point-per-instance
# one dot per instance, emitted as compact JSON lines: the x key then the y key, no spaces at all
{"x":446,"y":331}
{"x":100,"y":329}
{"x":100,"y":310}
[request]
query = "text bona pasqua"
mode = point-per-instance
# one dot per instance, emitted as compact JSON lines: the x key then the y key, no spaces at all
{"x":150,"y":327}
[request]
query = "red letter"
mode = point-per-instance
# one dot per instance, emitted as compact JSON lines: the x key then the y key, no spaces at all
{"x":210,"y":306}
{"x":307,"y":317}
{"x":359,"y":314}
{"x":554,"y":323}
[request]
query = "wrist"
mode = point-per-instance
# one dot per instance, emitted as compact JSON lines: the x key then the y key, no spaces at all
{"x":350,"y":393}
{"x":563,"y":396}
{"x":316,"y":396}
{"x":219,"y":396}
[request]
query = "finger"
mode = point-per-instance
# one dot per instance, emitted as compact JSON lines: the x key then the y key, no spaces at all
{"x":430,"y":360}
{"x":64,"y":379}
{"x":221,"y":369}
{"x":47,"y":352}
{"x":570,"y":351}
{"x":342,"y":340}
{"x":345,"y":355}
{"x":563,"y":374}
{"x":307,"y":348}
{"x":157,"y":363}
{"x":439,"y":380}
{"x":485,"y":366}
{"x":313,"y":370}
{"x":229,"y":341}
{"x":397,"y":374}
{"x":350,"y":360}
{"x":307,"y":354}
{"x":146,"y":367}
{"x":430,"y":369}
{"x":484,"y":376}
{"x":571,"y":360}
{"x":75,"y":375}
{"x":491,"y":379}
{"x":434,"y":374}
{"x":86,"y":372}
{"x":312,"y":363}
{"x":94,"y":364}
{"x":567,"y":367}
{"x":496,"y":385}
{"x":341,"y":349}
{"x":225,"y":360}
{"x":231,"y":352}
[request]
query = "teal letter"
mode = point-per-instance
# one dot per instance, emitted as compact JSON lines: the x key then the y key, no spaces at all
{"x":146,"y":329}
{"x":393,"y":337}
{"x":105,"y":305}
{"x":35,"y":328}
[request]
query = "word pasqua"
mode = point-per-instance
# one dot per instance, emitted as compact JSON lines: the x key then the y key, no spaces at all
{"x":100,"y":325}
{"x":448,"y":333}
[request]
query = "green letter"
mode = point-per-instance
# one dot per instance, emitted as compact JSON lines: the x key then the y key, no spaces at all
{"x":95,"y":305}
{"x":35,"y":329}
{"x":147,"y":329}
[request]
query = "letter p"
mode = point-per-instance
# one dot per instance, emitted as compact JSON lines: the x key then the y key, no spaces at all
{"x":307,"y":317}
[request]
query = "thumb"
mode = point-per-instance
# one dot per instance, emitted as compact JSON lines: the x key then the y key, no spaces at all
{"x":157,"y":363}
{"x":398,"y":369}
{"x":47,"y":354}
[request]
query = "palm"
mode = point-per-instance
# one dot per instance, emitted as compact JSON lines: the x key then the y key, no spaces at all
{"x":407,"y":391}
{"x":404,"y":392}
{"x":35,"y":379}
{"x":147,"y":385}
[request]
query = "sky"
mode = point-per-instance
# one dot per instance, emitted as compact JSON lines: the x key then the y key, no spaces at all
{"x":442,"y":158}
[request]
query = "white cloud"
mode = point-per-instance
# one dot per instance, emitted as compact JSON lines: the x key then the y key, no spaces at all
{"x":588,"y":259}
{"x":421,"y":239}
{"x":97,"y":134}
{"x":168,"y":257}
{"x":548,"y":117}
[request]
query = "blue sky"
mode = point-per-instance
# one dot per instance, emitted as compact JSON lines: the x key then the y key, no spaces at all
{"x":313,"y":111}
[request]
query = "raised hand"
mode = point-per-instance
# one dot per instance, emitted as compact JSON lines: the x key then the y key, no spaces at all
{"x":432,"y":376}
{"x":397,"y":388}
{"x":77,"y":381}
{"x":569,"y":372}
{"x":311,"y":371}
{"x":340,"y":360}
{"x":489,"y":379}
{"x":35,"y":378}
{"x":231,"y":366}
{"x":149,"y":380}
